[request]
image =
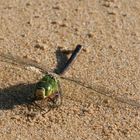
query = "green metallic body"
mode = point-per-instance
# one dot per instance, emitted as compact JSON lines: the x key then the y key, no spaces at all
{"x":47,"y":87}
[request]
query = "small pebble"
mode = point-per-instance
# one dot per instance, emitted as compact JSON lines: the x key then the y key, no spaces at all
{"x":28,"y":22}
{"x":106,"y":4}
{"x":23,"y":35}
{"x":111,"y":12}
{"x":41,"y":46}
{"x":63,"y":25}
{"x":106,"y":101}
{"x":28,"y":4}
{"x":53,"y":22}
{"x":86,"y":49}
{"x":56,"y":7}
{"x":124,"y":14}
{"x":89,"y":35}
{"x":36,"y":16}
{"x":110,"y":46}
{"x":16,"y":117}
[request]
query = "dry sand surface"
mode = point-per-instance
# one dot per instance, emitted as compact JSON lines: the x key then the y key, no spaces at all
{"x":38,"y":30}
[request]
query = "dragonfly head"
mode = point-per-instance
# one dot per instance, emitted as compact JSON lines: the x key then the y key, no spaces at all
{"x":46,"y":87}
{"x":40,"y":93}
{"x":43,"y":92}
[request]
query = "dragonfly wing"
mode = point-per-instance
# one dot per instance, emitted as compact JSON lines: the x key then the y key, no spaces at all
{"x":23,"y":62}
{"x":105,"y":92}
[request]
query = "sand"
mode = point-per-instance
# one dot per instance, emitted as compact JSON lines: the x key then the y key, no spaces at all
{"x":38,"y":30}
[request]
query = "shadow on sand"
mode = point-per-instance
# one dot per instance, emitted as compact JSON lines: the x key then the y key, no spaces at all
{"x":16,"y":95}
{"x":24,"y":93}
{"x":61,"y":60}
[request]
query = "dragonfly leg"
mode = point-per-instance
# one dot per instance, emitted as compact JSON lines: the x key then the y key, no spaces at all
{"x":55,"y":101}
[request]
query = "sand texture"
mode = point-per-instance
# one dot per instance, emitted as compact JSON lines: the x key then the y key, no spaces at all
{"x":39,"y":31}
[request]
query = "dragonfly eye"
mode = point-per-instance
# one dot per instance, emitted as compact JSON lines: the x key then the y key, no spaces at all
{"x":40,"y":93}
{"x":48,"y":90}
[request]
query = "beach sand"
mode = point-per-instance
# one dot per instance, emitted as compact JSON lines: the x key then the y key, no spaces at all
{"x":39,"y":30}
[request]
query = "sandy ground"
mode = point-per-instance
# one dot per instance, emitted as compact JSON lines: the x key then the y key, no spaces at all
{"x":110,"y":63}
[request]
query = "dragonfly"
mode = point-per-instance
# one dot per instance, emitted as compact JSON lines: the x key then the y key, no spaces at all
{"x":48,"y":89}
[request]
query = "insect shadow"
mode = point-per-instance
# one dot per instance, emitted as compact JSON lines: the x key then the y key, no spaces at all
{"x":62,"y":58}
{"x":16,"y":95}
{"x":24,"y":93}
